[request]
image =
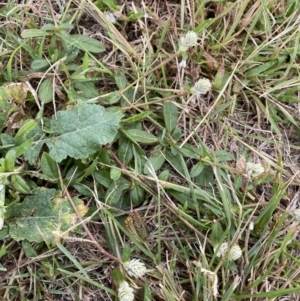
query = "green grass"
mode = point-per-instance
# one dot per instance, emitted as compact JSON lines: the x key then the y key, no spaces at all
{"x":178,"y":159}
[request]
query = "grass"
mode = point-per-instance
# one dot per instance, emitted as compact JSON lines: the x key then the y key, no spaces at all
{"x":182,"y":161}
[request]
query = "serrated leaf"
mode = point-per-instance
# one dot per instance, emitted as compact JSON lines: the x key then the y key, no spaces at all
{"x":141,"y":136}
{"x":32,"y":153}
{"x":170,"y":116}
{"x":7,"y":140}
{"x":42,"y":217}
{"x":80,"y":132}
{"x":45,"y":92}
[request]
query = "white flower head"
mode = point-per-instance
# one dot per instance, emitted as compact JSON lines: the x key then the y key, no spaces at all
{"x":135,"y":268}
{"x":251,"y":226}
{"x":297,"y":215}
{"x":182,"y":64}
{"x":222,"y":250}
{"x":187,"y":41}
{"x":254,"y":170}
{"x":111,"y":17}
{"x":234,"y":253}
{"x":201,"y":87}
{"x":125,"y":292}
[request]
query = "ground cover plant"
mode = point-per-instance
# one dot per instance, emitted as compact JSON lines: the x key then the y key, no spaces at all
{"x":149,"y":150}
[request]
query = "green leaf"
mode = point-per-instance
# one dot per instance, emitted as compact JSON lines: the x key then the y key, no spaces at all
{"x":222,"y":155}
{"x":42,"y":217}
{"x":87,"y":90}
{"x":33,"y":33}
{"x":112,"y":98}
{"x":4,"y":106}
{"x":28,"y":249}
{"x":137,"y":195}
{"x":141,"y":136}
{"x":174,"y":161}
{"x":80,"y":132}
{"x":39,"y":64}
{"x":84,"y":43}
{"x":170,"y":116}
{"x":137,"y":117}
{"x":120,"y":80}
{"x":117,"y":276}
{"x":73,"y":259}
{"x":111,"y":4}
{"x":115,"y":174}
{"x":48,"y":27}
{"x":28,"y":126}
{"x":2,"y":203}
{"x":21,"y":149}
{"x":164,"y":175}
{"x":85,"y":62}
{"x":147,"y":292}
{"x":266,"y":215}
{"x":177,"y":134}
{"x":126,"y":253}
{"x":125,"y":152}
{"x":7,"y":140}
{"x":49,"y":167}
{"x":31,"y":154}
{"x":2,"y":193}
{"x":46,"y":90}
{"x":216,"y":234}
{"x":139,"y":158}
{"x":115,"y":191}
{"x":20,"y":184}
{"x":197,"y":169}
{"x":190,"y":151}
{"x":154,"y":163}
{"x":10,"y":159}
{"x":103,"y":177}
